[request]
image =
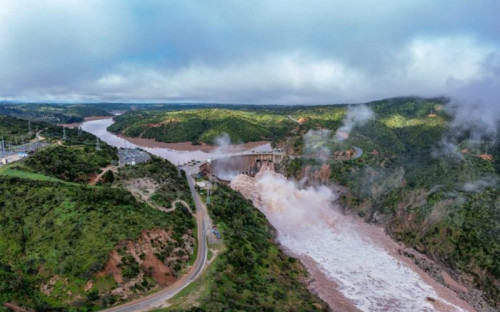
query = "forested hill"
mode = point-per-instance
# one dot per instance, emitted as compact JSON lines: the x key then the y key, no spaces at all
{"x":241,"y":123}
{"x":15,"y":131}
{"x":202,"y":125}
{"x":56,"y":113}
{"x":430,"y":186}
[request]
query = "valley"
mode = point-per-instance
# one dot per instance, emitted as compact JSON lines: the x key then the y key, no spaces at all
{"x":386,"y":171}
{"x":249,"y":156}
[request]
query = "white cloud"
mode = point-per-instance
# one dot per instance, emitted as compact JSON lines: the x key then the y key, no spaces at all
{"x":271,"y":79}
{"x":319,"y":52}
{"x":425,"y":67}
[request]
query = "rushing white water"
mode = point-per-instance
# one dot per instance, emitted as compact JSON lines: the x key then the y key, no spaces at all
{"x":98,"y":128}
{"x":307,"y":224}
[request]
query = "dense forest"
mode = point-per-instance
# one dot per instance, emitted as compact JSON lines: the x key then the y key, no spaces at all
{"x":64,"y":232}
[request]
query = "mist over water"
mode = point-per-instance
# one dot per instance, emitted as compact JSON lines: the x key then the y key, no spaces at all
{"x":309,"y":225}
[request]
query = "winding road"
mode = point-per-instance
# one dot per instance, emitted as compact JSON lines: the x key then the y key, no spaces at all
{"x":157,"y":300}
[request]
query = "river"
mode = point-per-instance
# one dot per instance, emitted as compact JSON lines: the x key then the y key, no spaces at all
{"x":354,"y":266}
{"x":99,"y":129}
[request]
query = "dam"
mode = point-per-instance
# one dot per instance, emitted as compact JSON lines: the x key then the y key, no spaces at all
{"x":224,"y":169}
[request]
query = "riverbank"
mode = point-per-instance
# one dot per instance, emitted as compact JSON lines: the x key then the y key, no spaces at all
{"x":176,"y":153}
{"x":354,"y":265}
{"x":89,"y":118}
{"x":188,"y":146}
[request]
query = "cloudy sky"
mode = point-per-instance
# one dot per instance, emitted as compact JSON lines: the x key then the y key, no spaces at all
{"x":259,"y":51}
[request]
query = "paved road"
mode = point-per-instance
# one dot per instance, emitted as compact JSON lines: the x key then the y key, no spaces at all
{"x":158,"y":299}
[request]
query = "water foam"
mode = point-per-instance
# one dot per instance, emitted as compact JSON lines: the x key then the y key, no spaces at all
{"x":308,"y":225}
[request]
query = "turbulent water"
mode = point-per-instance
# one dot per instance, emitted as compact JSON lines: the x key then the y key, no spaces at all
{"x":365,"y":272}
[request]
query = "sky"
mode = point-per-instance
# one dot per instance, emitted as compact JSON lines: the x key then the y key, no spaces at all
{"x":259,"y":51}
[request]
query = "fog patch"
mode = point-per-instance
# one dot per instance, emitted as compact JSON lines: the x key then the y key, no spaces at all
{"x":480,"y":184}
{"x":448,"y":147}
{"x":316,"y":143}
{"x":357,"y":115}
{"x":224,"y":167}
{"x":222,"y":145}
{"x":475,"y":109}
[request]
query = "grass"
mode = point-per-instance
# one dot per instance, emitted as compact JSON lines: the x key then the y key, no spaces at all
{"x":18,"y":170}
{"x":11,"y":172}
{"x":192,"y":259}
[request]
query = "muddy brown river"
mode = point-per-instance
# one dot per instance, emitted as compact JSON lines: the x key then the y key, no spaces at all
{"x":185,"y":152}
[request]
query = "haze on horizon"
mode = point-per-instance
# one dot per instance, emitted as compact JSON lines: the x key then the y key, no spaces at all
{"x":280,"y":52}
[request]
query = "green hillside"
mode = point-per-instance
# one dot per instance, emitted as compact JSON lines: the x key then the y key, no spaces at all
{"x":55,"y":113}
{"x":252,"y":273}
{"x":15,"y":131}
{"x":443,"y":205}
{"x":202,"y":125}
{"x":57,"y":232}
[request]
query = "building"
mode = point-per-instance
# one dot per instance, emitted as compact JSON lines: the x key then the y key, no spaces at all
{"x":12,"y":158}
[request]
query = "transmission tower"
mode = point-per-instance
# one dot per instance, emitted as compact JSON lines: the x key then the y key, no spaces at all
{"x":2,"y":145}
{"x":29,"y":127}
{"x":64,"y":134}
{"x":79,"y":131}
{"x":97,"y":146}
{"x":208,"y":197}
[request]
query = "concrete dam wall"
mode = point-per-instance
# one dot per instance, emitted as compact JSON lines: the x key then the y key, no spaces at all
{"x":227,"y":168}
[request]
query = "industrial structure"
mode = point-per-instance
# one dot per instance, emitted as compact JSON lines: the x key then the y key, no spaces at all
{"x":223,"y":169}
